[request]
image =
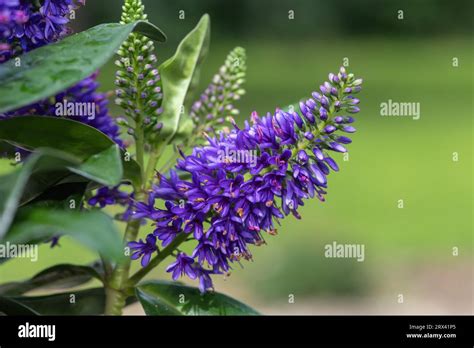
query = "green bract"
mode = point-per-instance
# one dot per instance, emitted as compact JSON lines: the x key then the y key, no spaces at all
{"x":177,"y":74}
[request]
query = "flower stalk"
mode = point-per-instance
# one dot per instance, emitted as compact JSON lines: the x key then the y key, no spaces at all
{"x":139,"y":93}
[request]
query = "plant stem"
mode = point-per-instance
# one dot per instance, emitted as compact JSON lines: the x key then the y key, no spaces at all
{"x":151,"y":165}
{"x":115,"y":288}
{"x":139,"y":144}
{"x":157,"y":259}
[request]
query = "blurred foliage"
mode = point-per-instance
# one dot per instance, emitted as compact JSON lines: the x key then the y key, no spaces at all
{"x":313,"y":18}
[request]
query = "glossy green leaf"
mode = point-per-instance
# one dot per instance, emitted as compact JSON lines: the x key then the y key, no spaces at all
{"x":93,"y":229}
{"x":56,"y":277}
{"x":44,"y":169}
{"x":76,"y":138}
{"x":11,"y":307}
{"x":177,"y":76}
{"x":171,"y":298}
{"x":104,"y":167}
{"x":51,"y":69}
{"x":195,"y":79}
{"x":57,"y":192}
{"x":12,"y":185}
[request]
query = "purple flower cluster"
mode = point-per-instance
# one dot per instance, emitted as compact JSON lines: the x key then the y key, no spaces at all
{"x":26,"y":25}
{"x":143,"y":249}
{"x":10,"y":18}
{"x":245,"y":181}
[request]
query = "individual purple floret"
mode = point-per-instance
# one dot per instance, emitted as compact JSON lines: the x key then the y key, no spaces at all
{"x":245,"y":181}
{"x":183,"y":265}
{"x":109,"y":196}
{"x":143,"y":250}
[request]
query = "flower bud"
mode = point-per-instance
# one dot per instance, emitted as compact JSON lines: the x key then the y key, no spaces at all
{"x":353,"y":109}
{"x":318,"y":153}
{"x":302,"y":156}
{"x":303,"y":108}
{"x":323,"y":114}
{"x":324,"y":90}
{"x":318,"y":174}
{"x":334,"y":78}
{"x":329,"y":129}
{"x":316,"y":96}
{"x":337,"y":147}
{"x":348,"y":129}
{"x":331,"y":163}
{"x":310,"y":103}
{"x":310,"y":117}
{"x":344,"y":140}
{"x":297,"y":118}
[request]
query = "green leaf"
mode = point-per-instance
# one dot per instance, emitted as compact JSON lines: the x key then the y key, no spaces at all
{"x":104,"y":167}
{"x":51,"y":69}
{"x":76,"y":138}
{"x":54,"y":193}
{"x":86,"y":302}
{"x":11,"y":307}
{"x":164,"y":298}
{"x":13,"y":184}
{"x":93,"y":229}
{"x":177,"y":76}
{"x":57,"y":277}
{"x":42,"y":170}
{"x":194,"y":84}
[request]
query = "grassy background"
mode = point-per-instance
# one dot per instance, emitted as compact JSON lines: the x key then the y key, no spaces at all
{"x":407,"y":250}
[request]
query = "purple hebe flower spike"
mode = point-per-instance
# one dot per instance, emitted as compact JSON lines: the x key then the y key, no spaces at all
{"x":244,"y":181}
{"x":26,"y":25}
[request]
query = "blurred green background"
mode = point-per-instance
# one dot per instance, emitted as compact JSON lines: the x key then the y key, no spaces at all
{"x":408,"y":251}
